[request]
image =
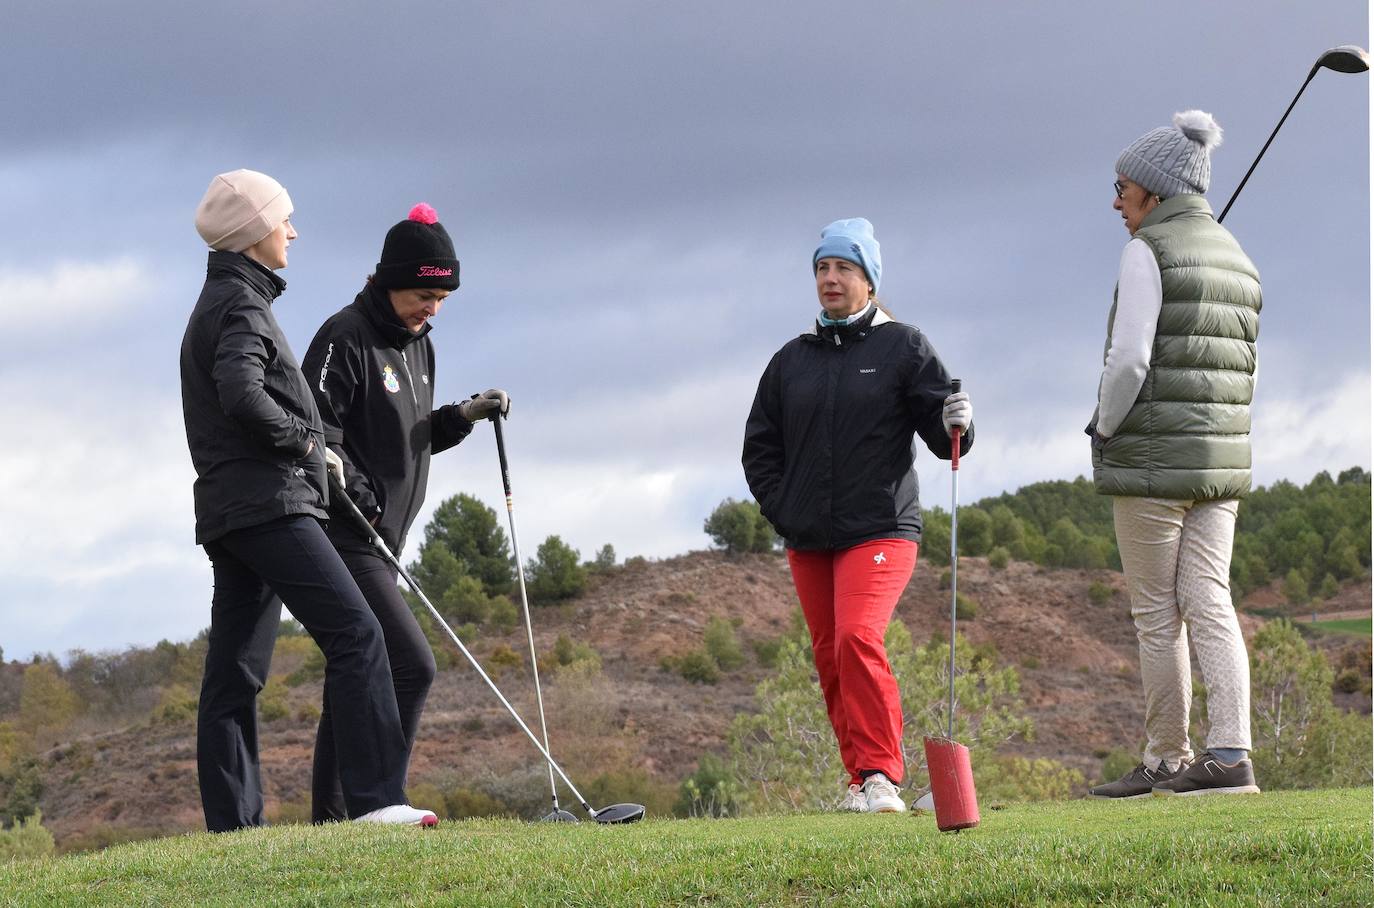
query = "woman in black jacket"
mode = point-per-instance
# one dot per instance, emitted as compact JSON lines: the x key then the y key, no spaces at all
{"x":257,"y":445}
{"x":829,"y":455}
{"x":371,"y":368}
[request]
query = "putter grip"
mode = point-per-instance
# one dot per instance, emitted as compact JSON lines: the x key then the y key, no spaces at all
{"x":955,"y":386}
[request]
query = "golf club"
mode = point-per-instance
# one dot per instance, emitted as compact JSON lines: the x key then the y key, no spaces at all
{"x":1348,"y":58}
{"x":615,"y":813}
{"x":558,"y":815}
{"x":948,"y":762}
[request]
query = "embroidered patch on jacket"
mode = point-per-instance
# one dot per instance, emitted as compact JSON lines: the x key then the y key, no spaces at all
{"x":389,"y":380}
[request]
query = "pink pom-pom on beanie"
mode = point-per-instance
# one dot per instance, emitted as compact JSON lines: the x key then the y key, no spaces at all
{"x":424,"y":213}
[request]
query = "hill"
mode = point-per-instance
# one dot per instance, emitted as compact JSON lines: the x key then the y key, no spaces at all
{"x":633,"y":731}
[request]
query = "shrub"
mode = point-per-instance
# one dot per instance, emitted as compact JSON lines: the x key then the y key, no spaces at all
{"x":999,"y":558}
{"x":308,"y":713}
{"x":711,"y":791}
{"x":554,"y":573}
{"x":311,"y":669}
{"x":461,"y":803}
{"x":272,"y":703}
{"x":723,"y":646}
{"x":965,"y":608}
{"x":739,"y":527}
{"x":1295,"y":588}
{"x":502,"y":659}
{"x":503,"y":615}
{"x":1011,"y":778}
{"x":783,"y":756}
{"x":26,"y":840}
{"x":179,"y":704}
{"x":698,"y":667}
{"x":605,"y":558}
{"x":1100,"y":593}
{"x":1301,"y":740}
{"x":766,"y":651}
{"x":1117,"y":763}
{"x":568,"y":654}
{"x":946,"y":579}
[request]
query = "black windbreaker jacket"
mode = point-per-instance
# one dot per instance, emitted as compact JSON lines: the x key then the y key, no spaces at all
{"x":373,"y":380}
{"x":828,"y":448}
{"x":249,"y":416}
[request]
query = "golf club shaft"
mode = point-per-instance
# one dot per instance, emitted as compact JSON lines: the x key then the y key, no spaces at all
{"x":954,"y":437}
{"x":1246,"y":178}
{"x":524,"y":598}
{"x":338,"y":492}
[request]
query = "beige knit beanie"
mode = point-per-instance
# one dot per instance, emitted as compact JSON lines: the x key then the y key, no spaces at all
{"x":240,"y":208}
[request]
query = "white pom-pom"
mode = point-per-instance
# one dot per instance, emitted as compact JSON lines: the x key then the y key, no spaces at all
{"x":1200,"y":127}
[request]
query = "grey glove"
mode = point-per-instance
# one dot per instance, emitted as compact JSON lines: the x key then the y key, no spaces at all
{"x":958,"y":412}
{"x":485,"y":405}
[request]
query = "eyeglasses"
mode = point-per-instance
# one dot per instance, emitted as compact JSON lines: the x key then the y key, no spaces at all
{"x":1120,"y":188}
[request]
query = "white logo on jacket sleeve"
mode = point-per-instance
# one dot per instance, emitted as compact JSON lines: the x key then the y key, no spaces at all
{"x":389,"y":380}
{"x":324,"y":369}
{"x":867,"y":371}
{"x":879,"y":558}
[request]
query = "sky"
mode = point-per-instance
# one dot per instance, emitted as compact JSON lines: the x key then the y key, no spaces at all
{"x":635,"y":190}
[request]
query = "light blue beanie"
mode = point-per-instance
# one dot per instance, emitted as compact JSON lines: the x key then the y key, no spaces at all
{"x":851,"y":239}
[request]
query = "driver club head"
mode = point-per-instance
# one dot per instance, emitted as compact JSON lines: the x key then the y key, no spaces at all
{"x":558,"y":816}
{"x":1348,"y":58}
{"x":620,"y":813}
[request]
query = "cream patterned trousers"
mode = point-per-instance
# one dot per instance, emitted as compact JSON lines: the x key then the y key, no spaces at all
{"x":1177,"y":560}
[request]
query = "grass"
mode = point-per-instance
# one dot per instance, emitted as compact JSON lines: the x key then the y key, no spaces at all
{"x":1284,"y":848}
{"x":1361,"y":627}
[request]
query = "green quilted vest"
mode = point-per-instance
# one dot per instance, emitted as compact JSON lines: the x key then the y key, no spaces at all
{"x":1188,"y":434}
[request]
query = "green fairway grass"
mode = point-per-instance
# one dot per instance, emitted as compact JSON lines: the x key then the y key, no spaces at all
{"x":1283,"y":848}
{"x":1360,"y":627}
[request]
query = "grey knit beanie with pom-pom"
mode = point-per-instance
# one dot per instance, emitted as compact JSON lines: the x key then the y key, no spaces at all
{"x":1172,"y":160}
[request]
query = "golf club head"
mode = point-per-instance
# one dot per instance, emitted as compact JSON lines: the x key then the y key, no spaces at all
{"x":620,"y":813}
{"x":559,"y":816}
{"x":1348,"y":58}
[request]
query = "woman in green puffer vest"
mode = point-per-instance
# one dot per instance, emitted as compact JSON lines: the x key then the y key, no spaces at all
{"x":1171,"y":444}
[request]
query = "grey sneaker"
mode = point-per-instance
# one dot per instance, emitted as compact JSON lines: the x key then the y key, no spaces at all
{"x":1209,"y":776}
{"x":1135,"y":784}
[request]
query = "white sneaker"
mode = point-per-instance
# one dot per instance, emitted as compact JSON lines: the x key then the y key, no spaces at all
{"x":880,"y":795}
{"x":399,"y":815}
{"x":854,"y":801}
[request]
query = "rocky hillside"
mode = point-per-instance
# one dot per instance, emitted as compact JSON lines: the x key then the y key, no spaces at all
{"x":636,"y":723}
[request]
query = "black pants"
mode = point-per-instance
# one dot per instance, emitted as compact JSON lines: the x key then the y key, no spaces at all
{"x":293,"y":558}
{"x":412,"y":672}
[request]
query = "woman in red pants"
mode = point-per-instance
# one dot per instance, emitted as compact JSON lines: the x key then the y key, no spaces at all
{"x":829,"y":455}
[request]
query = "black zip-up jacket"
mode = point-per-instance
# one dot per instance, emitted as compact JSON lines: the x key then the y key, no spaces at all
{"x":373,"y":380}
{"x":828,"y":448}
{"x":250,"y":419}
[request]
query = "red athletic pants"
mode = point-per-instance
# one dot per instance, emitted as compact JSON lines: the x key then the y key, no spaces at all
{"x":847,"y":596}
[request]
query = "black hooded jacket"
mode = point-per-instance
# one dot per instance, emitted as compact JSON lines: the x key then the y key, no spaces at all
{"x":828,"y":448}
{"x":373,"y":380}
{"x":250,"y":419}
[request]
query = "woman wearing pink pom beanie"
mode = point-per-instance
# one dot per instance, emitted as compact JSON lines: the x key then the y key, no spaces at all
{"x":371,"y":369}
